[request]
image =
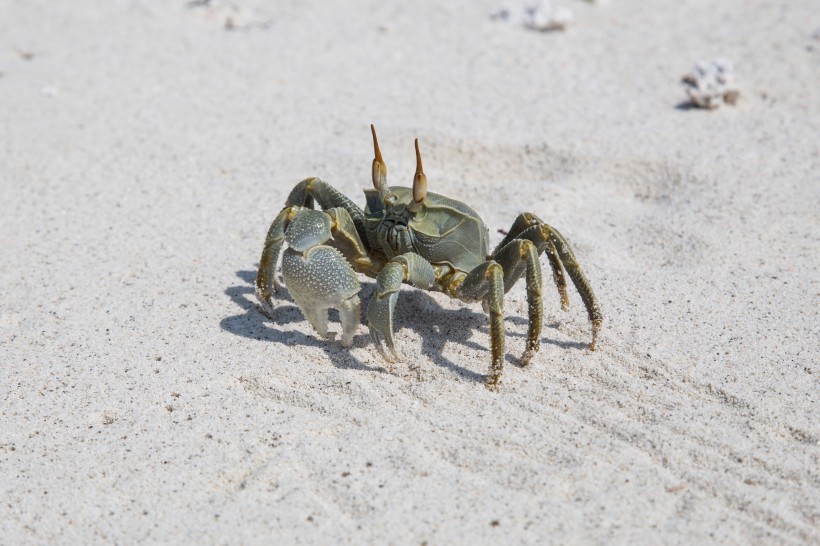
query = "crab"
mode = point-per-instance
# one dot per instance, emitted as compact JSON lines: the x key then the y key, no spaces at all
{"x":410,"y":236}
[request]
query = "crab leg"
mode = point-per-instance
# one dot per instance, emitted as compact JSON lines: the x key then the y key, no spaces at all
{"x":486,"y":283}
{"x":266,"y":282}
{"x":514,"y":257}
{"x":304,"y":193}
{"x":409,"y":268}
{"x":523,"y":222}
{"x":548,"y":239}
{"x":527,"y":226}
{"x":578,"y":279}
{"x":557,"y":274}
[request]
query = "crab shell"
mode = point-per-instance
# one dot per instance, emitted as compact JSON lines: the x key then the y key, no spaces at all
{"x":442,"y":230}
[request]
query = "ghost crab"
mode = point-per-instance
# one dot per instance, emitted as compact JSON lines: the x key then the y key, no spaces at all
{"x":410,"y":235}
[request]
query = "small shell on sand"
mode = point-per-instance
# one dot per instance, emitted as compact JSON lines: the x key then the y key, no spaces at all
{"x":710,"y":84}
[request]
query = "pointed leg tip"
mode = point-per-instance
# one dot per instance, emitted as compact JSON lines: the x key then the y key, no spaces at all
{"x":526,"y":358}
{"x":596,"y":330}
{"x":593,"y":345}
{"x":492,"y":384}
{"x":564,"y":299}
{"x":265,"y":304}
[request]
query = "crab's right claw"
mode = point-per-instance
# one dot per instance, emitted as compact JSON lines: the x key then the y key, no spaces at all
{"x":381,"y":308}
{"x":380,"y":320}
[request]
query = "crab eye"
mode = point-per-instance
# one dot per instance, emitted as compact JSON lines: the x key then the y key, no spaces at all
{"x":420,"y":180}
{"x":379,"y":169}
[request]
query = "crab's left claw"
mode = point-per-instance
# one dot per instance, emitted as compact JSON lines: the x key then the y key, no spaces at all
{"x":318,"y":275}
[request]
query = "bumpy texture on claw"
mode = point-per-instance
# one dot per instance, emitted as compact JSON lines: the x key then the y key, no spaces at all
{"x":342,"y":219}
{"x":318,"y":276}
{"x":320,"y":279}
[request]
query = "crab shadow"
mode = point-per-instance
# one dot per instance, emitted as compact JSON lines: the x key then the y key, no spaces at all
{"x":417,"y":310}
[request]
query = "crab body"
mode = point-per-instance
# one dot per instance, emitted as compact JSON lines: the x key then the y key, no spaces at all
{"x":410,"y":236}
{"x":443,"y":231}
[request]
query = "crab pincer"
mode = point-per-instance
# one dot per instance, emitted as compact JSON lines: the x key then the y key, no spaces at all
{"x":318,"y":276}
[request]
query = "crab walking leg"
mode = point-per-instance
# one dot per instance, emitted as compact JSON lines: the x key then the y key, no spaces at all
{"x":527,"y":226}
{"x":580,"y":281}
{"x":513,"y":257}
{"x":486,"y":282}
{"x":266,"y":282}
{"x":557,"y":274}
{"x":495,"y":303}
{"x":550,"y":239}
{"x":409,"y":268}
{"x":542,"y":241}
{"x":522,"y":222}
{"x":304,"y":193}
{"x":318,"y":276}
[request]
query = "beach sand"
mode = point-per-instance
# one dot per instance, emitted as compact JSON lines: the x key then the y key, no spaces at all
{"x":146,"y":147}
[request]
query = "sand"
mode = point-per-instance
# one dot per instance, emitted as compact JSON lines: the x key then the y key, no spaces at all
{"x":145,"y":149}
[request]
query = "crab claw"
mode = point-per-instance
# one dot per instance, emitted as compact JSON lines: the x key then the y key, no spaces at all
{"x":380,"y":319}
{"x":381,"y":308}
{"x":318,"y":276}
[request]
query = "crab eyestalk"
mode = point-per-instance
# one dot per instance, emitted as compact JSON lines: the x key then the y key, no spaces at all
{"x":419,"y":183}
{"x":379,"y":172}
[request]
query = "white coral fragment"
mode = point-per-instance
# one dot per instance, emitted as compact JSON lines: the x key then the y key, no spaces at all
{"x":710,"y":84}
{"x":543,"y":17}
{"x":547,"y":16}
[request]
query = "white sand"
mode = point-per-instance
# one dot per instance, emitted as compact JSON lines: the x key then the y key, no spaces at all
{"x":145,"y":150}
